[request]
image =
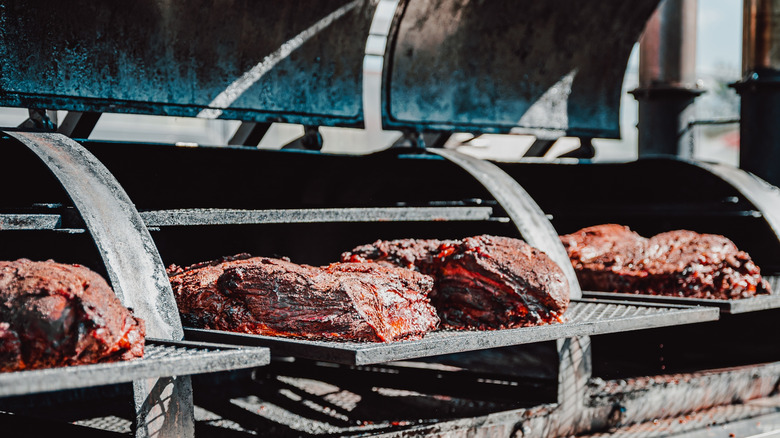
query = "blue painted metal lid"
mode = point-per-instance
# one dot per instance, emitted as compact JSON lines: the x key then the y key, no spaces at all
{"x":474,"y":65}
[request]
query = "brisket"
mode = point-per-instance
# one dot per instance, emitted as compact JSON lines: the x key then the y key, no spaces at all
{"x":53,"y":314}
{"x":482,"y":282}
{"x":676,"y":263}
{"x":266,"y":296}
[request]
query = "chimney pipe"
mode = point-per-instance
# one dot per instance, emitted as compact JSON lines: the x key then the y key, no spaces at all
{"x":759,"y":90}
{"x":667,"y":80}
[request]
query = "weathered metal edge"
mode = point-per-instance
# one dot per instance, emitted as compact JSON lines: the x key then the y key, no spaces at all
{"x":81,"y":376}
{"x":743,"y":305}
{"x":438,"y":343}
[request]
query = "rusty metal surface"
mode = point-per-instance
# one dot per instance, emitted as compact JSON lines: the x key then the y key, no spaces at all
{"x":130,"y":256}
{"x":584,"y":317}
{"x":297,"y":61}
{"x":521,"y":208}
{"x":489,"y":65}
{"x":161,"y":359}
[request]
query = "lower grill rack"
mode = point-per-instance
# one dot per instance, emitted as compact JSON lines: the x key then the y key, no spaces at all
{"x":161,"y":359}
{"x":745,"y":305}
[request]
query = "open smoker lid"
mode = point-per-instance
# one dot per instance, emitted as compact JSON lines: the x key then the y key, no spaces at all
{"x":476,"y":65}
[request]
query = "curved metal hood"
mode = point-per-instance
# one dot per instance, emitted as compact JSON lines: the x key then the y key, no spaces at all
{"x":489,"y":66}
{"x":476,"y":65}
{"x":298,"y":61}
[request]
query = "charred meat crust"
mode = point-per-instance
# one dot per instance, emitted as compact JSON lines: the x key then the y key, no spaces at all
{"x":482,"y":282}
{"x":54,"y":314}
{"x":676,"y":263}
{"x":269,"y":296}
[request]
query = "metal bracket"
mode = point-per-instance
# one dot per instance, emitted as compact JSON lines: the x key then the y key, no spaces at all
{"x":249,"y":134}
{"x":540,"y":147}
{"x":163,"y":406}
{"x":584,"y":151}
{"x":40,"y":119}
{"x":311,"y":140}
{"x":79,"y":124}
{"x":410,"y":139}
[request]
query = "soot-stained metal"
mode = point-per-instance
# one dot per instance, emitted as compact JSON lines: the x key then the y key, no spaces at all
{"x":475,"y":65}
{"x":489,"y":66}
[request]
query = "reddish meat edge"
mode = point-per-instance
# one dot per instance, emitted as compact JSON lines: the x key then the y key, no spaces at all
{"x":680,"y":263}
{"x":54,"y":314}
{"x":342,"y":301}
{"x":482,"y":282}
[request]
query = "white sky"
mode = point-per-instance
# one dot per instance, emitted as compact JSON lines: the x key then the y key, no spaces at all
{"x":719,"y":41}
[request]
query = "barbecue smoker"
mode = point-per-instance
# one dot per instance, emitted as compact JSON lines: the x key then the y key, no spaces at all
{"x":125,"y":209}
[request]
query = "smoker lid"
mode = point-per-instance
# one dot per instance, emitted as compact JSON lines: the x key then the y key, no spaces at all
{"x":478,"y":65}
{"x":489,"y":66}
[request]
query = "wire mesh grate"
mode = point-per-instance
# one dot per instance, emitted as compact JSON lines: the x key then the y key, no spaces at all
{"x":584,"y":317}
{"x":161,"y":359}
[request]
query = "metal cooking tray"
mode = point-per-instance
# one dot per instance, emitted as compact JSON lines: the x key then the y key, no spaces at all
{"x":161,"y":359}
{"x":585,"y":317}
{"x":745,"y":305}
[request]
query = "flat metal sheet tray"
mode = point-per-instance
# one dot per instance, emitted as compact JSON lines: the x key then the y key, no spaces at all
{"x":744,"y":305}
{"x":161,"y":359}
{"x":585,"y":317}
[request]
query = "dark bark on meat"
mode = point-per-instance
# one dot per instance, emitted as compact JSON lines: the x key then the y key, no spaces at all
{"x":53,"y":314}
{"x":676,"y":263}
{"x":482,"y":282}
{"x":268,"y":296}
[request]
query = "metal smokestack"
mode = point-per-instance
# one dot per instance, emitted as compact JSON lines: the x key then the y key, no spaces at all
{"x":759,"y":90}
{"x":667,"y":79}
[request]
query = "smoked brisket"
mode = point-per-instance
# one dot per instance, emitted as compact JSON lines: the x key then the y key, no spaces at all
{"x":266,"y":296}
{"x":54,"y":314}
{"x":482,"y":282}
{"x":676,"y":263}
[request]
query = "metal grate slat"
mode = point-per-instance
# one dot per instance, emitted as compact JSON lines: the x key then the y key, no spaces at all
{"x":584,"y":317}
{"x":161,"y":359}
{"x":744,"y":305}
{"x":163,"y":218}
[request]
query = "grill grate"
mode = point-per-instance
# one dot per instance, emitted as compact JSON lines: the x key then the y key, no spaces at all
{"x":584,"y":317}
{"x":755,"y":304}
{"x":161,"y":359}
{"x":110,"y":423}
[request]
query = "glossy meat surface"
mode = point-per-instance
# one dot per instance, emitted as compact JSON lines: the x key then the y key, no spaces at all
{"x":482,"y":282}
{"x":267,"y":296}
{"x":676,"y":263}
{"x":53,"y":314}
